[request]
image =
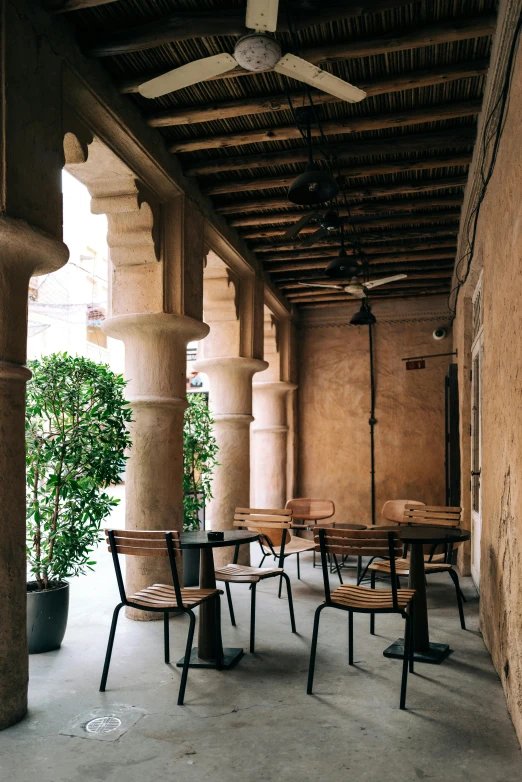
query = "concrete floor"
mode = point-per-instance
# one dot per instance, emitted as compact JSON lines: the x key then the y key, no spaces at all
{"x":256,"y":722}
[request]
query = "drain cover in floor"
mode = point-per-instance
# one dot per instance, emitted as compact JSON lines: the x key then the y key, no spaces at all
{"x":104,"y":724}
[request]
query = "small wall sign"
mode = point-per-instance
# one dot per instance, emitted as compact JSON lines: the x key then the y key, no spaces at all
{"x":419,"y":364}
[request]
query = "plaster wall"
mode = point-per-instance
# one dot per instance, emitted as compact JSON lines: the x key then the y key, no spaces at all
{"x":498,"y":249}
{"x":334,"y":407}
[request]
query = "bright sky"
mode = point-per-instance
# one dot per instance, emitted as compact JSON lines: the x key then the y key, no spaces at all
{"x":81,"y":229}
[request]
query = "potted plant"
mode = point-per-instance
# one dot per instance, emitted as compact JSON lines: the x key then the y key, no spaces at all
{"x":76,"y":438}
{"x":199,"y":460}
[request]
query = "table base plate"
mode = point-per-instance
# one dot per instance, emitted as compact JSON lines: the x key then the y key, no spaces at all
{"x":435,"y":654}
{"x":230,"y":658}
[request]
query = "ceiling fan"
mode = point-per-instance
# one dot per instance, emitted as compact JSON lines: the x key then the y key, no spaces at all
{"x":254,"y":52}
{"x":328,"y":224}
{"x":356,"y":288}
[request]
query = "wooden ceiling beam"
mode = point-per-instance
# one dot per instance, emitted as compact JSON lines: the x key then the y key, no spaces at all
{"x":376,"y":272}
{"x":391,"y":258}
{"x":370,"y":207}
{"x":353,"y":124}
{"x":376,"y":221}
{"x":452,"y":138}
{"x":428,"y":232}
{"x":413,"y":297}
{"x":350,"y":172}
{"x":64,"y":6}
{"x":375,"y":191}
{"x":183,"y":26}
{"x":369,"y":251}
{"x":246,"y":106}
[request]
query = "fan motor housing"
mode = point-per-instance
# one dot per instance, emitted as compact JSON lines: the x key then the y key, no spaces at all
{"x":257,"y":52}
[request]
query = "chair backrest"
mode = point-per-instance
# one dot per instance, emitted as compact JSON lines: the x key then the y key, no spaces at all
{"x":309,"y":509}
{"x":144,"y":543}
{"x":267,"y":522}
{"x":372,"y":542}
{"x":393,"y":510}
{"x":432,"y":515}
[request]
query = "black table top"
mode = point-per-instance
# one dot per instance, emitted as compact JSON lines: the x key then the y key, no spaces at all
{"x":421,"y":534}
{"x":198,"y":539}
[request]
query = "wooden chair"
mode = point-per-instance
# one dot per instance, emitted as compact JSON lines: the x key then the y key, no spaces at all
{"x":359,"y":599}
{"x":392,"y":514}
{"x":266,"y":522}
{"x":312,"y":510}
{"x":164,"y":598}
{"x":433,"y":516}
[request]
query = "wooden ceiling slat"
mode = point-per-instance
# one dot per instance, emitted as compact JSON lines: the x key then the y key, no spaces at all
{"x":397,"y":119}
{"x":428,"y":232}
{"x":377,"y":221}
{"x":370,"y":207}
{"x":428,"y":255}
{"x":393,"y":188}
{"x":351,"y":172}
{"x":184,"y":25}
{"x":413,"y":297}
{"x":453,"y":138}
{"x":369,"y":251}
{"x":263,"y":104}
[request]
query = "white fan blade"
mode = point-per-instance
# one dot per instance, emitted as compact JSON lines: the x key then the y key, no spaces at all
{"x":186,"y":75}
{"x":319,"y":285}
{"x":299,"y":69}
{"x":356,"y":290}
{"x":384,"y":280}
{"x":261,"y":15}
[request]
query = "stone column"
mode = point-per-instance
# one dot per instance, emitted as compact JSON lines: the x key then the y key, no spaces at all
{"x":155,"y":367}
{"x":230,"y":382}
{"x":270,"y":443}
{"x":24,"y":251}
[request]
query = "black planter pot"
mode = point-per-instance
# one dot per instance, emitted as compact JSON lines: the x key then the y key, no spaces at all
{"x":191,"y":567}
{"x":47,"y":613}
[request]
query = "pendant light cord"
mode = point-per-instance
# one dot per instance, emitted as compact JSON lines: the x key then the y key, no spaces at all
{"x":372,"y":421}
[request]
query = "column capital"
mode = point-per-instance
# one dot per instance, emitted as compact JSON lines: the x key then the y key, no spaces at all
{"x":275,"y":386}
{"x":144,"y":324}
{"x":29,"y":250}
{"x":236,"y":364}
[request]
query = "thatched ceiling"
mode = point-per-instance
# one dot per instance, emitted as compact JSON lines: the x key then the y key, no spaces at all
{"x":404,"y":151}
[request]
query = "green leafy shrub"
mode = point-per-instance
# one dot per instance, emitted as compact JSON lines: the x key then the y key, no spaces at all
{"x":76,"y":438}
{"x":199,"y":459}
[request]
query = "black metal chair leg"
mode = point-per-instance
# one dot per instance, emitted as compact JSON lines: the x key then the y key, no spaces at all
{"x":372,"y":616}
{"x":313,"y":649}
{"x":412,"y":649}
{"x":290,"y":602}
{"x":350,"y":637}
{"x":186,"y":661}
{"x":280,"y":586}
{"x":261,"y":563}
{"x":252,"y":618}
{"x":110,"y":644}
{"x":298,"y":568}
{"x":336,"y":563}
{"x":363,"y":576}
{"x":455,"y":579}
{"x":166,"y":640}
{"x":359,"y":569}
{"x":405,"y":662}
{"x":230,"y":605}
{"x":219,"y":642}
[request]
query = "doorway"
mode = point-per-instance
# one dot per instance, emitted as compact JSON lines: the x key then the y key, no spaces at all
{"x":477,"y":351}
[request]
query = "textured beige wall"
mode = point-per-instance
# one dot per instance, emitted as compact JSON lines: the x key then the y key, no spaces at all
{"x":334,"y":406}
{"x":499,"y":250}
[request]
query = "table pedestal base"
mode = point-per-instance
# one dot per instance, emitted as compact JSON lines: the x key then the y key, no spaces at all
{"x":230,"y":658}
{"x":435,"y":654}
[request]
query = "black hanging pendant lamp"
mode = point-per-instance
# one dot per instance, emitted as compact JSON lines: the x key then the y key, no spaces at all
{"x":343,"y":266}
{"x":365,"y":316}
{"x":314,"y":185}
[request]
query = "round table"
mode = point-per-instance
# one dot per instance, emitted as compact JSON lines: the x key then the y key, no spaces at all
{"x":204,"y":654}
{"x":416,"y":537}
